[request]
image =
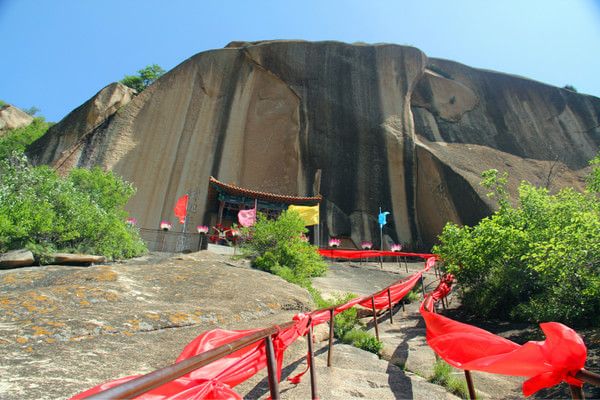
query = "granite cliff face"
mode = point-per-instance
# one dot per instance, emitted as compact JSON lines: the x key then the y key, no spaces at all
{"x":368,"y":126}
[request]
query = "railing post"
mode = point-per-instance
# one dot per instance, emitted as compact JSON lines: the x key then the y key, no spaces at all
{"x":423,"y":285}
{"x":331,"y":328}
{"x":272,"y":369}
{"x":390,"y":304}
{"x":375,"y":317}
{"x":470,"y":385}
{"x":576,"y":392}
{"x":589,"y":377}
{"x":311,"y":358}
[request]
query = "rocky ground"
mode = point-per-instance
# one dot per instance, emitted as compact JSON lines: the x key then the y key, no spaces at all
{"x":65,"y":329}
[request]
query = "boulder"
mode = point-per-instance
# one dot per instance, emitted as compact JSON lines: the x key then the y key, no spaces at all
{"x":77,"y":129}
{"x":377,"y":125}
{"x":16,"y":258}
{"x":11,"y":118}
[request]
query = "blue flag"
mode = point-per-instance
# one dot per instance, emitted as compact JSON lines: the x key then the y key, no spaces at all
{"x":382,"y":217}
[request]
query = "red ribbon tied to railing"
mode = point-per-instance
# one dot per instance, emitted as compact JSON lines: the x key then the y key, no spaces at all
{"x":546,"y":363}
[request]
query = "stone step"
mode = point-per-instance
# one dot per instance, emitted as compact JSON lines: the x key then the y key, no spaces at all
{"x":354,"y":374}
{"x":405,"y":346}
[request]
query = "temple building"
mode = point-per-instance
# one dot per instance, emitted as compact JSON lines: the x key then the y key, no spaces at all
{"x":226,"y":200}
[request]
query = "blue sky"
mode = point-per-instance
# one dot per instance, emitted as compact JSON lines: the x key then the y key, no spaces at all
{"x":58,"y":53}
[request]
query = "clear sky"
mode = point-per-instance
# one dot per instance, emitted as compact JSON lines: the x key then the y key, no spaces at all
{"x":56,"y":54}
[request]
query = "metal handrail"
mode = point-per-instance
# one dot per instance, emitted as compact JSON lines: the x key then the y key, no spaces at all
{"x":152,"y":380}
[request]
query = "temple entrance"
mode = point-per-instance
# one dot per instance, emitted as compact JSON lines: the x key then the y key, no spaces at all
{"x":227,"y":200}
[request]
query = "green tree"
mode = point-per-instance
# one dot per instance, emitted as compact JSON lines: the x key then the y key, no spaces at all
{"x":32,"y":110}
{"x":538,"y":260}
{"x":82,"y":212}
{"x":18,"y":139}
{"x":145,"y":77}
{"x":277,"y":246}
{"x":593,"y":179}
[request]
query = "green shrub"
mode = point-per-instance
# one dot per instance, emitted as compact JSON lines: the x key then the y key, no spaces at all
{"x":537,"y":261}
{"x":414,"y":295}
{"x":442,"y":375}
{"x":593,"y":179}
{"x":83,"y":212}
{"x":18,"y":139}
{"x":277,"y":247}
{"x":363,"y":340}
{"x":345,"y":322}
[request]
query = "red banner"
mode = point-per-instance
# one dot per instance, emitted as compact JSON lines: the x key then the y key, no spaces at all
{"x":181,"y":208}
{"x":356,"y":254}
{"x":545,"y":363}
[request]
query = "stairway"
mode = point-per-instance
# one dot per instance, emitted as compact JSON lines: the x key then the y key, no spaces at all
{"x":355,"y":374}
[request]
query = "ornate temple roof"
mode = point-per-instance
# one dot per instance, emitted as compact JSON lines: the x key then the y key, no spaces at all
{"x":269,"y":197}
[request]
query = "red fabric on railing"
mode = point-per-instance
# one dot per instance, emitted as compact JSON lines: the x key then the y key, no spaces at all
{"x":216,"y":379}
{"x":397,"y":293}
{"x":545,"y":363}
{"x":355,"y":254}
{"x":179,"y":389}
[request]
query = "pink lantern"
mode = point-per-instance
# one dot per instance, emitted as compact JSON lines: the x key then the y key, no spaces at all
{"x":333,"y":242}
{"x":165,"y":225}
{"x":366,"y":245}
{"x":396,"y":247}
{"x":202,"y":229}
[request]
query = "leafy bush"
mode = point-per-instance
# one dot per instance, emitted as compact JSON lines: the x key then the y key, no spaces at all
{"x":145,"y":77}
{"x":18,"y":139}
{"x":414,"y":295}
{"x":363,"y":340}
{"x":537,"y":261}
{"x":442,"y":375}
{"x":593,"y":179}
{"x":83,"y":212}
{"x":277,"y":247}
{"x":344,"y":321}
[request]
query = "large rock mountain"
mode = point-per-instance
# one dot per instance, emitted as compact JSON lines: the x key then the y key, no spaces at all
{"x":367,"y":126}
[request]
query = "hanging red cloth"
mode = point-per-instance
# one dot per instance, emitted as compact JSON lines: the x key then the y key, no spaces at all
{"x":215,"y":380}
{"x":545,"y":363}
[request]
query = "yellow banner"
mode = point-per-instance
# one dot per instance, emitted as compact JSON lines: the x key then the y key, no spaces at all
{"x":310,"y":214}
